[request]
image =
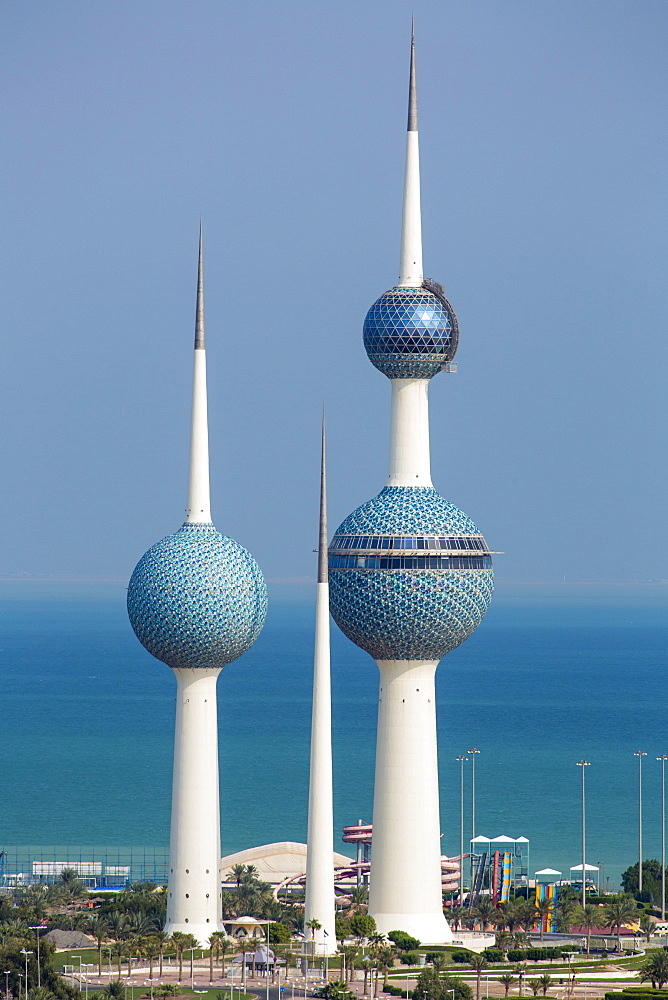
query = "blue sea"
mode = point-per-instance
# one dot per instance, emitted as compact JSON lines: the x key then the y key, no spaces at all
{"x":553,"y":675}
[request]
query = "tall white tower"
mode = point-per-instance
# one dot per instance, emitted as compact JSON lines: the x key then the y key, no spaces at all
{"x":196,"y":601}
{"x":410,"y":579}
{"x":320,"y":838}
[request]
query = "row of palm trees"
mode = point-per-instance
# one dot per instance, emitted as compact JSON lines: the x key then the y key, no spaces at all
{"x":513,"y":920}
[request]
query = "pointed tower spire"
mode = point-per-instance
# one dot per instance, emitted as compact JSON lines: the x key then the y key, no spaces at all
{"x":322,"y":544}
{"x":410,"y":270}
{"x":319,"y":902}
{"x":198,"y":509}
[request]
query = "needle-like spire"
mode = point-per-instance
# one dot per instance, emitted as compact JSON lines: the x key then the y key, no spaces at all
{"x":199,"y":315}
{"x":198,"y":509}
{"x":412,"y":89}
{"x":322,"y":545}
{"x":410,"y":273}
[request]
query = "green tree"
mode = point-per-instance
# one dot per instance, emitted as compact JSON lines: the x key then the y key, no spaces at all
{"x":348,"y":955}
{"x":520,"y":969}
{"x":114,"y":990}
{"x":646,"y":925}
{"x":455,"y":916}
{"x":486,"y":912}
{"x":588,"y":916}
{"x":362,"y":925}
{"x":651,"y":881}
{"x":535,"y":985}
{"x":620,"y":911}
{"x":164,"y":940}
{"x":655,"y":969}
{"x":506,"y":980}
{"x":99,"y":929}
{"x":180,"y":942}
{"x":478,"y":963}
{"x":545,"y":982}
{"x":432,"y":985}
{"x":403,"y":941}
{"x":544,"y":909}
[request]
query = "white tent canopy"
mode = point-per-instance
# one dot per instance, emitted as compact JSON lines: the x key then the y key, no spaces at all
{"x":548,"y":871}
{"x":587,"y":868}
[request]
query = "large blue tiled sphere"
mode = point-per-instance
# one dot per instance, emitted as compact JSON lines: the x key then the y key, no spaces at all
{"x":410,"y":575}
{"x":197,"y":598}
{"x":410,"y":333}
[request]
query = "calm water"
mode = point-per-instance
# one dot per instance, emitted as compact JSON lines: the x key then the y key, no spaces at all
{"x":553,"y":675}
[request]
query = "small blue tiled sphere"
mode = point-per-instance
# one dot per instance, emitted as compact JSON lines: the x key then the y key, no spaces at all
{"x":410,"y":333}
{"x":410,"y":575}
{"x":197,"y":598}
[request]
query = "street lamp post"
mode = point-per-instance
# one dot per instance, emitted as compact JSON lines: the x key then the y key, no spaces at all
{"x":462,"y":760}
{"x":6,"y":975}
{"x":663,"y":758}
{"x":37,"y":929}
{"x":25,"y":954}
{"x":583,"y":764}
{"x":473,"y":753}
{"x":640,"y":754}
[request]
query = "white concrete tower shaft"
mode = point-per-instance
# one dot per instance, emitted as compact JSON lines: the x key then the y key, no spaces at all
{"x":319,"y":903}
{"x":194,"y":892}
{"x":405,"y":885}
{"x":198,"y":508}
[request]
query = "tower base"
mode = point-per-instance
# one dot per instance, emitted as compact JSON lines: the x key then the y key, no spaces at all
{"x":428,"y":928}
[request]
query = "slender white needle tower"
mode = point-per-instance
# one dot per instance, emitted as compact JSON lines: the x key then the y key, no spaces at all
{"x":196,"y":601}
{"x":410,"y":579}
{"x":320,"y":839}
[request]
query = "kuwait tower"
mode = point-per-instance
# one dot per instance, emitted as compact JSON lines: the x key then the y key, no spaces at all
{"x":197,"y":600}
{"x":410,"y":579}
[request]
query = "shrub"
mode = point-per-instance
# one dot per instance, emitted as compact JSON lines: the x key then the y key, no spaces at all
{"x":461,"y":956}
{"x":493,"y":954}
{"x":403,"y":941}
{"x":409,"y":957}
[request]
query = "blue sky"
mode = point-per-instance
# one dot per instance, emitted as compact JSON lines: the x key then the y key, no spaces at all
{"x":282,"y":125}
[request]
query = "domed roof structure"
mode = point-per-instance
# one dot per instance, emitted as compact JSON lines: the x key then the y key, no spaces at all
{"x":411,"y":332}
{"x":197,"y":599}
{"x":410,"y":575}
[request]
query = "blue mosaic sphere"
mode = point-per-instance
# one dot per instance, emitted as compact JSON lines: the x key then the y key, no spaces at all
{"x":410,"y":333}
{"x":410,"y":575}
{"x":197,"y":598}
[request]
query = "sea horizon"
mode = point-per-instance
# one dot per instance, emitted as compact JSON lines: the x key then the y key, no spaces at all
{"x":557,"y":672}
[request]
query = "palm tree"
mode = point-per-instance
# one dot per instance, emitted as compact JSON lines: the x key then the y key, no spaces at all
{"x":313,"y":925}
{"x":506,"y":980}
{"x":587,"y":916}
{"x":619,"y":912}
{"x":214,"y":948}
{"x":238,"y":873}
{"x":163,"y":939}
{"x":180,"y":942}
{"x":359,"y":898}
{"x":348,"y":954}
{"x":190,"y":944}
{"x":545,"y":982}
{"x":118,"y":951}
{"x":456,"y":915}
{"x":229,"y":905}
{"x":544,"y":909}
{"x":520,"y":969}
{"x":486,"y":911}
{"x":385,"y":960}
{"x":656,"y":969}
{"x":535,"y":986}
{"x":478,"y":963}
{"x":99,"y":929}
{"x":646,"y":925}
{"x":151,"y":949}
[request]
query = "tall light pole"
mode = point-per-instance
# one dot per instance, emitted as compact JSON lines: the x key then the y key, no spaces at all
{"x":583,"y":764}
{"x":462,"y":760}
{"x":25,"y":954}
{"x":6,"y":975}
{"x":473,"y":753}
{"x":663,"y":758}
{"x":639,"y":754}
{"x":37,"y":929}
